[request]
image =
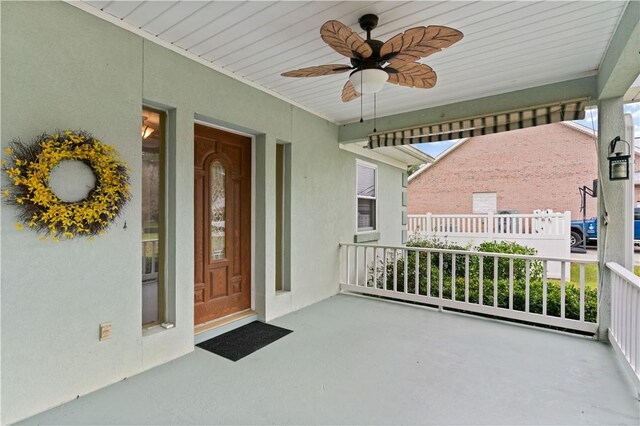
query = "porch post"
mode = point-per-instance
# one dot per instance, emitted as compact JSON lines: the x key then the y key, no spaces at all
{"x":615,"y":198}
{"x":264,"y":227}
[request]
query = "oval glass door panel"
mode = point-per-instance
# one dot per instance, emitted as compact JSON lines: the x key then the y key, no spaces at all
{"x":218,"y":212}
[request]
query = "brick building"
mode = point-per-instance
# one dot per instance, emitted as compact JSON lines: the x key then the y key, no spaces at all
{"x":536,"y":168}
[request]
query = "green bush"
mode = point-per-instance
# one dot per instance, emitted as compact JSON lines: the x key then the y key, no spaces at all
{"x":572,"y":292}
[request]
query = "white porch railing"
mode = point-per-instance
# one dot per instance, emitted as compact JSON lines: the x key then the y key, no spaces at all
{"x":469,"y":281}
{"x":490,"y":226}
{"x":624,"y":332}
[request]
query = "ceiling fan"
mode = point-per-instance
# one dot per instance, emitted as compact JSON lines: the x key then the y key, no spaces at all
{"x":373,"y":62}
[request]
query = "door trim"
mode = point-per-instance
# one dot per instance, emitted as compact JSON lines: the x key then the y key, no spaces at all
{"x":252,"y":283}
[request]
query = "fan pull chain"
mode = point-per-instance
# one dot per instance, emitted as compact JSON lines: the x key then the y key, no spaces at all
{"x":374,"y":113}
{"x":361,"y":96}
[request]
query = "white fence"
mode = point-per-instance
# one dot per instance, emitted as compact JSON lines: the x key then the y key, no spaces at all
{"x":468,"y":281}
{"x":548,"y":233}
{"x":624,"y":332}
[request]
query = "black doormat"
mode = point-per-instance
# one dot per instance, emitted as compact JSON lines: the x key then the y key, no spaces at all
{"x":245,"y":340}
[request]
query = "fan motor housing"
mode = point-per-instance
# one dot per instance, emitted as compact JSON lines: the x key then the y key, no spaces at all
{"x":368,"y":22}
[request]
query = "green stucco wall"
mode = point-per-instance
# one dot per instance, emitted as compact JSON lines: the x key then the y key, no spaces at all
{"x":63,"y":68}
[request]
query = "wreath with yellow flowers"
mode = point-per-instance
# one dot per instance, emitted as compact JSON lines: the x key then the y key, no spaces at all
{"x":29,"y":167}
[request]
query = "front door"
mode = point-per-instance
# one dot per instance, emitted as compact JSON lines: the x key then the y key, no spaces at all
{"x":222,"y":223}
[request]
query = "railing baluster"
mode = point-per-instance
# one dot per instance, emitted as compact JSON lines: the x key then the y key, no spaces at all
{"x":495,"y":281}
{"x":375,"y":267}
{"x":453,"y":276}
{"x":562,"y":289}
{"x":428,"y":273}
{"x":510,"y":283}
{"x":395,"y":270}
{"x":348,"y":268}
{"x":357,"y":267}
{"x":527,"y":285}
{"x":544,"y":287}
{"x":582,"y":285}
{"x":405,"y":253}
{"x":624,"y":318}
{"x":440,"y":267}
{"x":480,"y":280}
{"x":365,"y":261}
{"x":384,"y":271}
{"x":416,"y":287}
{"x":637,"y":332}
{"x":466,"y":278}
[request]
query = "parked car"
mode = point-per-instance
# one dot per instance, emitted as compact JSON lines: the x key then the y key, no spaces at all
{"x":591,"y":231}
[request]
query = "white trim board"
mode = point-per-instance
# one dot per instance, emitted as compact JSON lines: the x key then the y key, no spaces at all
{"x":148,"y":36}
{"x":362,"y":151}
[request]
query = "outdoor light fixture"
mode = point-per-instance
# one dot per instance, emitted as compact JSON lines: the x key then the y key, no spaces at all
{"x":370,"y":80}
{"x":618,"y":161}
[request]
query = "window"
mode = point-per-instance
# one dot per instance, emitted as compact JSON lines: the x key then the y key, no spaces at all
{"x":217,"y":214}
{"x":283,"y":216}
{"x":367,"y":192}
{"x":485,"y":202}
{"x":153,"y":216}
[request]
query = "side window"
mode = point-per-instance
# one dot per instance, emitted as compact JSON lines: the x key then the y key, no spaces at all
{"x":366,"y":194}
{"x":153,"y":215}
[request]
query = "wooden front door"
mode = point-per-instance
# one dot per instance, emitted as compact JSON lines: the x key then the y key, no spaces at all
{"x":222,"y":223}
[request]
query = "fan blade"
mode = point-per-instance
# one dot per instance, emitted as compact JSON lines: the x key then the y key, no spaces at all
{"x":412,"y":74}
{"x":419,"y":42}
{"x":349,"y":92}
{"x":344,"y":41}
{"x":317,"y":71}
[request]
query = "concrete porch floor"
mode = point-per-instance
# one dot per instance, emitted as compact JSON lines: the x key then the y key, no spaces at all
{"x":353,"y":360}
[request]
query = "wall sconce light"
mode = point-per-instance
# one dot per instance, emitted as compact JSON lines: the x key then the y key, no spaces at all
{"x":618,"y":161}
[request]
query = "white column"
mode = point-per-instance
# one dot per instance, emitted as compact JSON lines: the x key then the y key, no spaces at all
{"x":615,"y":210}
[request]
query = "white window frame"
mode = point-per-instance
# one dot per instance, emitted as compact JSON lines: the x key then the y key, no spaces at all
{"x":483,"y":193}
{"x":375,"y":168}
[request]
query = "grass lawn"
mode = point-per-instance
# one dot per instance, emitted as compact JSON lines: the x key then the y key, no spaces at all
{"x":590,"y":275}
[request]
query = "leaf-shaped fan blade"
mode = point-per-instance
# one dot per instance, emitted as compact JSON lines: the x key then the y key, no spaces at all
{"x":419,"y":42}
{"x":344,"y":41}
{"x":413,"y":75}
{"x":349,"y":92}
{"x":317,"y":71}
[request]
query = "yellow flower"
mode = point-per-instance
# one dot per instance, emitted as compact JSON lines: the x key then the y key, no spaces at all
{"x":5,"y":193}
{"x":19,"y":226}
{"x":8,"y":150}
{"x":43,"y":238}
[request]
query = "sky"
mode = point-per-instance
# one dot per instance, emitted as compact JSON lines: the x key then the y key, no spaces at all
{"x":436,"y":148}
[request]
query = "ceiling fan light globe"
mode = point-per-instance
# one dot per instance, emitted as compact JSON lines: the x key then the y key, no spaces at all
{"x":369,"y":81}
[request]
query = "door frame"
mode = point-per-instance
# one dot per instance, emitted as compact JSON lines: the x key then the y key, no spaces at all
{"x":253,"y":198}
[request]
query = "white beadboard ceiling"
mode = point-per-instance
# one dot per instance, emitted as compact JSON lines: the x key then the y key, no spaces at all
{"x":507,"y":45}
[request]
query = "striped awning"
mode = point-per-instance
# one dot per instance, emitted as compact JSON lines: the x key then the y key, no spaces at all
{"x":482,"y":125}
